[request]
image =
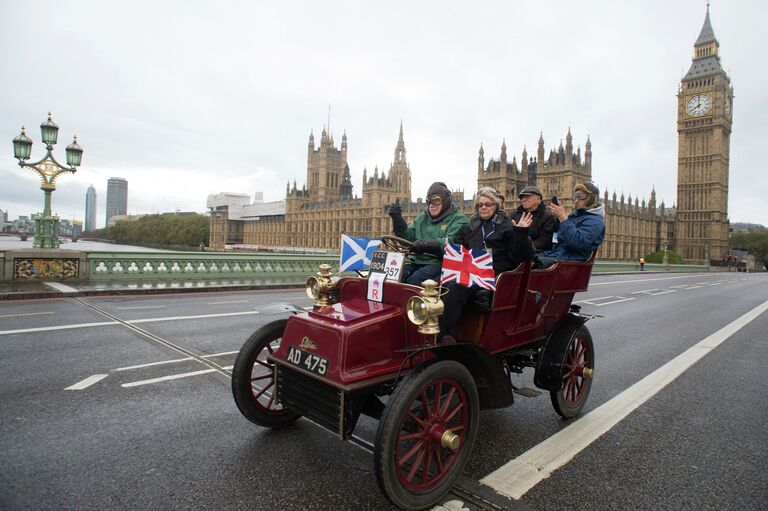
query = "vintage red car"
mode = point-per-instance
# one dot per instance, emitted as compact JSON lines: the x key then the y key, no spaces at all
{"x":351,"y":356}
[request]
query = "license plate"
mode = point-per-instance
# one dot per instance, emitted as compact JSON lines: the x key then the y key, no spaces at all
{"x":307,"y":361}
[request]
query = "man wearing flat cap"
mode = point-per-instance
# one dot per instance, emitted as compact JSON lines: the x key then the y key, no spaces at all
{"x":544,"y":223}
{"x":582,"y":231}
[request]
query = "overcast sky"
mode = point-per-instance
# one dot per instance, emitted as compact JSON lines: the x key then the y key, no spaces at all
{"x":188,"y":98}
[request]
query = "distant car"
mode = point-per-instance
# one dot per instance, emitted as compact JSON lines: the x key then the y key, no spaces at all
{"x":351,"y":356}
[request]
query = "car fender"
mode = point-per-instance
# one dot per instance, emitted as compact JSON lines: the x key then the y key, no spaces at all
{"x":550,"y":365}
{"x":280,"y":308}
{"x":493,"y":385}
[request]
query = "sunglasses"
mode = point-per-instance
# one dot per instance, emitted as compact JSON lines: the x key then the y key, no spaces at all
{"x":436,"y":201}
{"x":485,"y":204}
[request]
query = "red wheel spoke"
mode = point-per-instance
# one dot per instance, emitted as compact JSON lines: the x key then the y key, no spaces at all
{"x":261,"y":377}
{"x":265,"y":364}
{"x":412,"y":436}
{"x":448,"y":400}
{"x":264,"y":389}
{"x":458,"y":427}
{"x":438,"y":395}
{"x":456,"y":409}
{"x":271,"y":400}
{"x":425,"y":404}
{"x":438,"y":462}
{"x":427,"y":465}
{"x":416,"y":465}
{"x":420,"y":422}
{"x":408,"y":455}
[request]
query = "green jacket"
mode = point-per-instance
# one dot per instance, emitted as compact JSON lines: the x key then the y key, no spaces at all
{"x":424,"y":227}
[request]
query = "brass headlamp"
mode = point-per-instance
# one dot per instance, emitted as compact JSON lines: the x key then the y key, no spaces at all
{"x":318,"y":286}
{"x":425,"y":309}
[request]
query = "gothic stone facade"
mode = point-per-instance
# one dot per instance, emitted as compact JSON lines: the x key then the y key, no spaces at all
{"x":317,"y":213}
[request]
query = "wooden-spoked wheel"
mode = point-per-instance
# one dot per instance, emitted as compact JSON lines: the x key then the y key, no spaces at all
{"x":253,"y":378}
{"x":395,"y":244}
{"x":426,"y":434}
{"x":578,"y":366}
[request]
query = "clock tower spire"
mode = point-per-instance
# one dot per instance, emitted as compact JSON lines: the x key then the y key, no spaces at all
{"x":704,"y":110}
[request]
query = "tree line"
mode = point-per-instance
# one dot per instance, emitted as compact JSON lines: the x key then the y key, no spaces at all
{"x":754,"y":241}
{"x":159,"y":230}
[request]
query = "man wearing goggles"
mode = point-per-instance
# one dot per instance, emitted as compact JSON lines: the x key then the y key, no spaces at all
{"x":582,"y":231}
{"x":428,"y":232}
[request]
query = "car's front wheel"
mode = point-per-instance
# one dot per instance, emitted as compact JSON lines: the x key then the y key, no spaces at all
{"x":426,"y":434}
{"x":253,"y":378}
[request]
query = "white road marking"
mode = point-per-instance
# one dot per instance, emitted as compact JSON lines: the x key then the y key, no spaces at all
{"x":166,"y":378}
{"x":136,"y":321}
{"x":223,"y":303}
{"x":524,"y":472}
{"x":59,"y":327}
{"x":63,"y":288}
{"x":174,"y":361}
{"x":620,"y":299}
{"x":87,"y":382}
{"x":650,"y":292}
{"x":592,"y":301}
{"x":140,"y":307}
{"x":640,"y":281}
{"x":25,"y":314}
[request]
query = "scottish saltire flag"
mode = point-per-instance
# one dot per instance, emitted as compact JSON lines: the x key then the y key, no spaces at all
{"x":356,"y":253}
{"x":468,"y":267}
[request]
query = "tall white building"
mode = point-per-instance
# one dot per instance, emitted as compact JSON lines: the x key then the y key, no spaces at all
{"x":117,"y":197}
{"x":90,"y":209}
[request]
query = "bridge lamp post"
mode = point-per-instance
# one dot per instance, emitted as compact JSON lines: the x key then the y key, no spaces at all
{"x":47,"y":225}
{"x":665,"y":259}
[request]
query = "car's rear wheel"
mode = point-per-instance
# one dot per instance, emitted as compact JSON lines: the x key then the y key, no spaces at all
{"x":426,"y":434}
{"x":253,"y":378}
{"x":577,"y":368}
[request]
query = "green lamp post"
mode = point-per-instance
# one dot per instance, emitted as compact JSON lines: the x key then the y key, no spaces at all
{"x":47,"y":225}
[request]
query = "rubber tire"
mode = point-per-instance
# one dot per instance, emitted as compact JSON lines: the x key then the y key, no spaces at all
{"x":559,"y":403}
{"x":387,"y":433}
{"x":242,"y":389}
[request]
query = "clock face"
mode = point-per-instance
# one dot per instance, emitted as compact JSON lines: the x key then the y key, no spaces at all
{"x":727,"y":106}
{"x":698,"y":105}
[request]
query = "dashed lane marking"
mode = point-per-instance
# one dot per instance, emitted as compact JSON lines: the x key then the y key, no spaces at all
{"x":134,"y":321}
{"x":224,"y":303}
{"x":170,"y":377}
{"x":137,"y":307}
{"x":594,"y":301}
{"x":25,"y":314}
{"x":654,"y":292}
{"x":87,"y":382}
{"x":174,"y":361}
{"x":530,"y":468}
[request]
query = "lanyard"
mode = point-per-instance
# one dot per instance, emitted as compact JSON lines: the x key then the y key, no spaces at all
{"x":482,"y":229}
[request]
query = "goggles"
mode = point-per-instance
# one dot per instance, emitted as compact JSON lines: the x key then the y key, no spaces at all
{"x":435,"y":201}
{"x":579,"y":195}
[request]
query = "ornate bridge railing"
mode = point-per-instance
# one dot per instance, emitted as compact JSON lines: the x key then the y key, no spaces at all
{"x":191,"y":265}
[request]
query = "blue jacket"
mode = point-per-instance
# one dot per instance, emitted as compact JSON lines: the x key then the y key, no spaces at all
{"x":579,"y":235}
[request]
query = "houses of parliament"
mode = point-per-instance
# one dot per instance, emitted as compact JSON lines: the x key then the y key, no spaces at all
{"x":317,"y":213}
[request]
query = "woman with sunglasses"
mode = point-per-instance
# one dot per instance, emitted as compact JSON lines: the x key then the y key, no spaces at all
{"x":491,"y":229}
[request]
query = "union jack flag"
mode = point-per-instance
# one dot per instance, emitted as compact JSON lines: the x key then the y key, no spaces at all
{"x":468,"y":267}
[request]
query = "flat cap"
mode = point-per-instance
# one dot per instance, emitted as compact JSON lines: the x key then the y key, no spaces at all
{"x":530,"y":190}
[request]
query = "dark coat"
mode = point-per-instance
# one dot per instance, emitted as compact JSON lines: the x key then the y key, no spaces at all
{"x":509,"y":245}
{"x":543,"y":226}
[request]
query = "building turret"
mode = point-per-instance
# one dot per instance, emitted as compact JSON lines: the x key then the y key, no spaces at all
{"x":345,"y":190}
{"x":503,"y":156}
{"x":588,"y":155}
{"x":569,"y":145}
{"x":480,"y":160}
{"x":540,"y":153}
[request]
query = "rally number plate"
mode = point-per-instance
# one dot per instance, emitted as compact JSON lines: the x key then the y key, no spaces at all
{"x":307,"y":361}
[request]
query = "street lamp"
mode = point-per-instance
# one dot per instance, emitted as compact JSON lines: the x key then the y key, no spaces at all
{"x":47,"y":225}
{"x":665,"y":260}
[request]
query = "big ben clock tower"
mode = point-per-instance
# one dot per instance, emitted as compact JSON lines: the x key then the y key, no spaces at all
{"x":704,"y":110}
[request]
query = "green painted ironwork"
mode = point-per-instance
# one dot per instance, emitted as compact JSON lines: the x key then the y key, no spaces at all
{"x":201,"y":265}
